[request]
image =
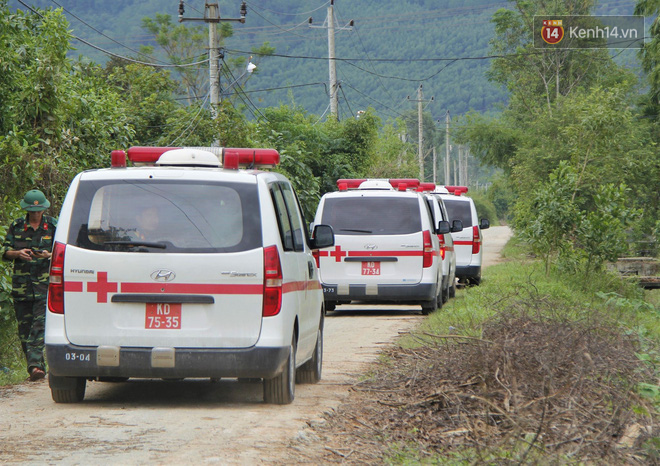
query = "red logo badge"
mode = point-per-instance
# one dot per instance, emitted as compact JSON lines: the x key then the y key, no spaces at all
{"x":552,"y":31}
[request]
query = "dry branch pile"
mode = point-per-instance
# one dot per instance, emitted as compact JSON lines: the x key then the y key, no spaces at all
{"x":532,"y":389}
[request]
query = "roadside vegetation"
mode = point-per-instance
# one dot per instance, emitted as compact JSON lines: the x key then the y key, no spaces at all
{"x":528,"y":368}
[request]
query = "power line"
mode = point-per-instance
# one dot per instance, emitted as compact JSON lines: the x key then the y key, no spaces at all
{"x":371,"y":98}
{"x":101,"y":33}
{"x":288,"y":14}
{"x":346,"y":100}
{"x":107,"y":52}
{"x":239,"y":93}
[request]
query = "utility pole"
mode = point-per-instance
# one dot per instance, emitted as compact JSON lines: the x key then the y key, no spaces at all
{"x":332,"y":65}
{"x":420,"y":129}
{"x":447,"y":168}
{"x":461,"y":180}
{"x":434,"y":167}
{"x":329,"y":24}
{"x":212,"y":17}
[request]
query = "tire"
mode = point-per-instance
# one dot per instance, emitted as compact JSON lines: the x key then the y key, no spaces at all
{"x":67,"y":389}
{"x":445,"y":292}
{"x":430,"y":306}
{"x":310,"y":372}
{"x":329,"y":307}
{"x":452,"y":290}
{"x":281,"y":390}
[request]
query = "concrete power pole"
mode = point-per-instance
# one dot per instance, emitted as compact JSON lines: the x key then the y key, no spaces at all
{"x":434,"y":167}
{"x":214,"y":75}
{"x":420,"y":132}
{"x":420,"y":129}
{"x":334,"y":103}
{"x":447,"y":168}
{"x":212,"y":17}
{"x":329,"y":23}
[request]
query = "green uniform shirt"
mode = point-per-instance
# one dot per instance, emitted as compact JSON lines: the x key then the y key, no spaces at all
{"x":30,"y":279}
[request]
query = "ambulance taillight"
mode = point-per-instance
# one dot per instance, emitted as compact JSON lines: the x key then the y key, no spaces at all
{"x":56,"y":280}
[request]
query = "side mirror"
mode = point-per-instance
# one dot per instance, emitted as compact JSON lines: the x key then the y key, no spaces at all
{"x":443,"y":227}
{"x":456,"y":226}
{"x":484,"y":224}
{"x":322,"y":237}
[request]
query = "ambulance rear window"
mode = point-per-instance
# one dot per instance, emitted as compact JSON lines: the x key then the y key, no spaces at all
{"x":459,"y":210}
{"x":166,"y":216}
{"x":372,"y":215}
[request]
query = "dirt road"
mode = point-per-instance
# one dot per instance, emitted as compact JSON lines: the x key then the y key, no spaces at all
{"x":193,"y":422}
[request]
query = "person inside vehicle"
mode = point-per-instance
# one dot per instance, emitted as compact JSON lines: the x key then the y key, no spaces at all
{"x":148,"y":222}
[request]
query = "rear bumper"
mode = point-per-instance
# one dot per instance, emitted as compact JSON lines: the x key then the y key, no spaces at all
{"x":468,"y":271}
{"x":382,"y":293}
{"x":87,"y":361}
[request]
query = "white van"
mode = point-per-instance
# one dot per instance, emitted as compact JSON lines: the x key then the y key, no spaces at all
{"x":184,"y":268}
{"x":386,"y":248}
{"x":468,"y":241}
{"x":446,"y":242}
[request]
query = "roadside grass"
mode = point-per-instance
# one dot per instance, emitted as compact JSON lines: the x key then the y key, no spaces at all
{"x":607,"y":307}
{"x":12,"y":361}
{"x":526,"y":368}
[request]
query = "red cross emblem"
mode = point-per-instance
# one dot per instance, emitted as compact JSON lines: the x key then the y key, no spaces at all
{"x":102,"y":287}
{"x":338,"y":253}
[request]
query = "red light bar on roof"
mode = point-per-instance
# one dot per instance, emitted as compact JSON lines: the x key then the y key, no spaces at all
{"x":233,"y":158}
{"x":143,"y":154}
{"x":424,"y":187}
{"x":349,"y":183}
{"x":404,"y":183}
{"x":457,"y":190}
{"x":118,"y":159}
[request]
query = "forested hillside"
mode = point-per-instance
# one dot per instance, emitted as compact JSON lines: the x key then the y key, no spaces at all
{"x":393,"y":47}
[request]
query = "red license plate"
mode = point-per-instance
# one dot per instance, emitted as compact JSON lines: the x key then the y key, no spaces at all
{"x":163,"y":316}
{"x":370,"y":268}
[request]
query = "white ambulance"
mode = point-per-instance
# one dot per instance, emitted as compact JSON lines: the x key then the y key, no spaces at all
{"x":445,"y":239}
{"x":184,"y":267}
{"x":468,"y":240}
{"x":386,"y":248}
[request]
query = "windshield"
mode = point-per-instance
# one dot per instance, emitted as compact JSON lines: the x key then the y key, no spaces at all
{"x":372,"y":215}
{"x":459,"y":210}
{"x":166,"y":216}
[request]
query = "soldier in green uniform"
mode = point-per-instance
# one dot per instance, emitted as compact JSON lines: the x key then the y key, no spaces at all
{"x":29,"y":243}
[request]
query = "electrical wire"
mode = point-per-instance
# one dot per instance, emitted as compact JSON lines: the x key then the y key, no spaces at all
{"x":240,"y":90}
{"x":101,"y":33}
{"x":250,"y":4}
{"x":346,"y":100}
{"x":371,"y":98}
{"x":282,"y":29}
{"x":321,"y":117}
{"x":364,"y":96}
{"x":201,"y":107}
{"x":107,"y":52}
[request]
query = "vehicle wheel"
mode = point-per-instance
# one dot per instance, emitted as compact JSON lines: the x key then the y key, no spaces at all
{"x":310,"y":372}
{"x":474,"y":281}
{"x":281,"y":389}
{"x":329,"y":307}
{"x":445,"y":292}
{"x":452,"y":289}
{"x":429,"y":306}
{"x":67,"y":389}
